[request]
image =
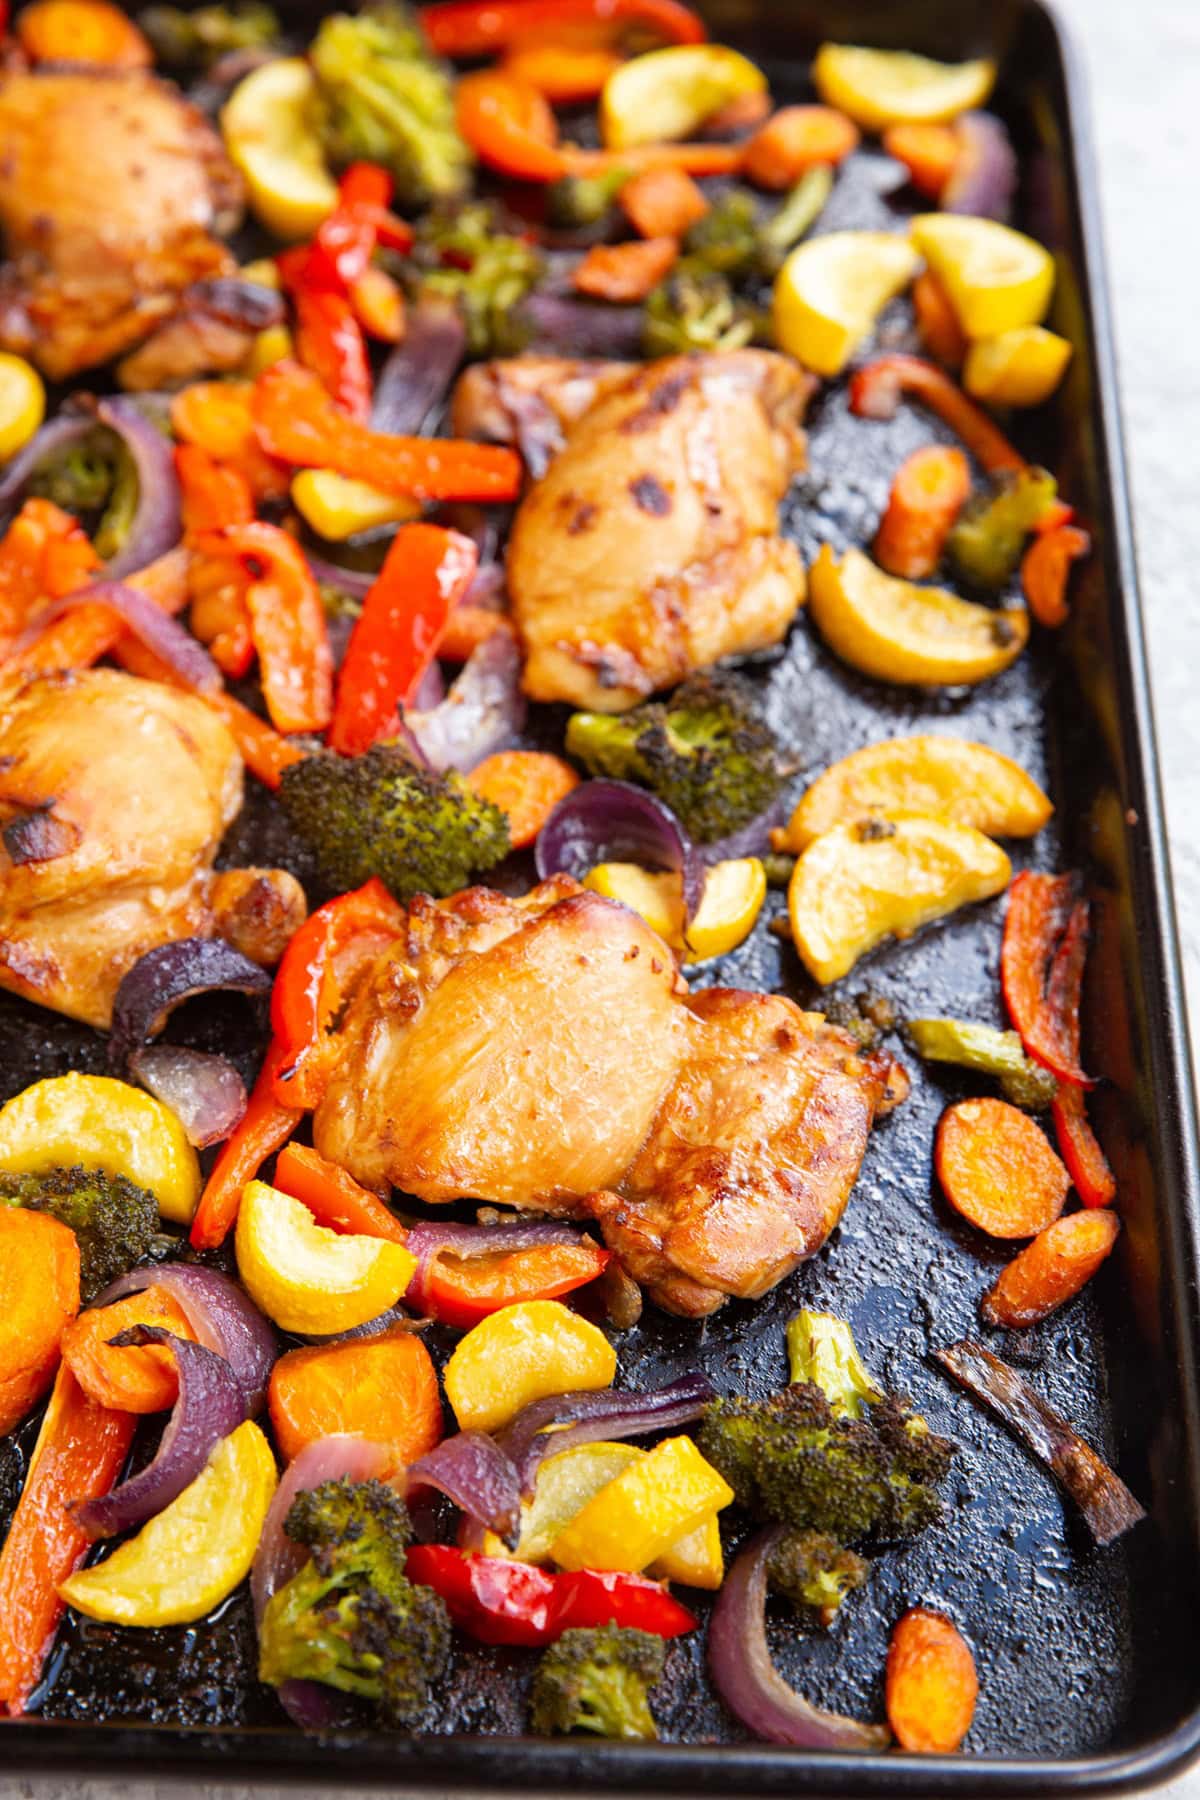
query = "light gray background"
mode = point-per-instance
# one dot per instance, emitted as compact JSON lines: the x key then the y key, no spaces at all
{"x":1143,"y":58}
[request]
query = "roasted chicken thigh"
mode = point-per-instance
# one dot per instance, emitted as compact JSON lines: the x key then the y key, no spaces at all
{"x":544,"y":1052}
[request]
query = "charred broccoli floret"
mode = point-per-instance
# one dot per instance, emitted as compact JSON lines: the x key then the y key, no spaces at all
{"x":384,"y":98}
{"x":725,"y":240}
{"x":577,"y":200}
{"x":598,"y":1680}
{"x":468,"y":257}
{"x":696,"y":309}
{"x":115,"y":1222}
{"x":986,"y":543}
{"x":185,"y":39}
{"x":706,"y":751}
{"x":815,"y":1573}
{"x":95,"y":480}
{"x":378,"y":814}
{"x":350,"y":1617}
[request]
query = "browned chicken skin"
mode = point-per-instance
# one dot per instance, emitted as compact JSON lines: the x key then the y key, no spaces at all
{"x":111,"y":187}
{"x":114,"y":795}
{"x":545,"y":1053}
{"x":650,"y":546}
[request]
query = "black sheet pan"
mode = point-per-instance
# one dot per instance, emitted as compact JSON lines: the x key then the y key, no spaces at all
{"x":1089,"y":1678}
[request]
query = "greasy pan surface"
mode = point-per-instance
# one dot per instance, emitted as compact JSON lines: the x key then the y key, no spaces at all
{"x":1086,"y":1657}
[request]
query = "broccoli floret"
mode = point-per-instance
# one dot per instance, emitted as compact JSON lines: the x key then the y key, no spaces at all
{"x":987,"y":541}
{"x":706,"y":751}
{"x":378,"y":814}
{"x":578,"y":200}
{"x":598,"y":1680}
{"x":815,"y":1573}
{"x":468,"y":257}
{"x":696,"y":309}
{"x":821,"y":1349}
{"x":384,"y":98}
{"x":116,"y":1223}
{"x":183,"y":39}
{"x":725,"y":240}
{"x":350,"y":1617}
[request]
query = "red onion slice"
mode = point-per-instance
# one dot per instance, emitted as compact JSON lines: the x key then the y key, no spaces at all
{"x":428,"y":1242}
{"x":222,"y":1317}
{"x":985,"y":175}
{"x":561,"y":1421}
{"x":570,"y":327}
{"x":169,"y":640}
{"x":748,"y":1681}
{"x":416,"y":376}
{"x":158,"y":521}
{"x":431,"y":690}
{"x":473,"y":1471}
{"x":484,"y":710}
{"x":211,"y":1404}
{"x":613,"y":821}
{"x":206,"y":1093}
{"x":168,"y":975}
{"x":68,"y":428}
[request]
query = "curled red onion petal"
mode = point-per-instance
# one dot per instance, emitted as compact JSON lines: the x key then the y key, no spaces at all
{"x":416,"y":376}
{"x":68,"y":428}
{"x":427,"y":1242}
{"x":984,"y":179}
{"x":394,"y":1319}
{"x":206,"y":1093}
{"x":168,"y":639}
{"x":473,"y":1471}
{"x":484,"y":710}
{"x":739,"y":1658}
{"x":613,"y":821}
{"x":431,"y":690}
{"x":211,"y":1404}
{"x":222,"y":1317}
{"x":168,"y":975}
{"x":573,"y":327}
{"x":588,"y":1416}
{"x":158,"y":521}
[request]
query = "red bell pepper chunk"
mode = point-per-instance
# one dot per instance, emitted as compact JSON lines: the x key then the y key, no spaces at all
{"x":1086,"y":1162}
{"x":875,"y":392}
{"x":468,"y":28}
{"x":265,"y":1127}
{"x":1041,"y":969}
{"x":500,"y":1601}
{"x":425,"y":574}
{"x":462,"y":1291}
{"x":333,"y":1196}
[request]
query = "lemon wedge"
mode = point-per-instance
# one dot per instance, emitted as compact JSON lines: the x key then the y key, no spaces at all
{"x":998,"y":279}
{"x":1017,"y":368}
{"x":665,"y":95}
{"x":269,"y":133}
{"x":831,"y":290}
{"x":190,"y":1556}
{"x":878,"y":88}
{"x":22,"y":404}
{"x":310,"y":1280}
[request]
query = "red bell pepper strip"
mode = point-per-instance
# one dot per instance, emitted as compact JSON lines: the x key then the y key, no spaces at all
{"x":79,"y":1453}
{"x":461,"y":1291}
{"x":1041,"y":969}
{"x":1086,"y":1162}
{"x":469,"y":28}
{"x":1046,"y":568}
{"x":875,"y":392}
{"x":358,"y":225}
{"x":395,"y":638}
{"x":330,"y":342}
{"x":85,"y":634}
{"x":333,"y":1197}
{"x":265,"y":753}
{"x":311,"y":980}
{"x":287,"y":620}
{"x":265,"y":1127}
{"x":301,"y":425}
{"x":500,"y":1601}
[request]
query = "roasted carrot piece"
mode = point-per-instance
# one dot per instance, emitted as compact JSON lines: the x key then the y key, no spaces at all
{"x":1045,"y":569}
{"x":213,"y":495}
{"x":39,"y":1294}
{"x":928,"y":152}
{"x":124,"y":1377}
{"x":998,"y":1169}
{"x":526,"y":785}
{"x":626,"y":272}
{"x":794,"y":139}
{"x":82,"y":636}
{"x":931,"y":1682}
{"x":217,"y":416}
{"x":264,"y":752}
{"x":82,"y":31}
{"x":937,"y":321}
{"x":468,"y":626}
{"x":662,"y":202}
{"x":1047,"y":1273}
{"x":1094,"y":1180}
{"x":333,"y":1196}
{"x":563,"y":75}
{"x":78,"y":1456}
{"x":927,"y":496}
{"x":382,"y":1388}
{"x":696,"y":159}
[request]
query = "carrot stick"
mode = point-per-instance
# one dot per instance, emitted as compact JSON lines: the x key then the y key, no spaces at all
{"x":662,"y":202}
{"x":333,"y":1196}
{"x":794,"y":139}
{"x":265,"y":1127}
{"x":927,"y":495}
{"x":937,"y":321}
{"x":998,"y":1170}
{"x":876,"y":390}
{"x":526,"y":785}
{"x":381,"y":1388}
{"x":126,"y":1378}
{"x":82,"y":31}
{"x":694,"y":159}
{"x":264,"y":752}
{"x":931,"y":1682}
{"x":217,"y":416}
{"x":1047,"y":1273}
{"x":928,"y":152}
{"x":626,"y":272}
{"x":39,"y":1294}
{"x":78,"y":1455}
{"x":1046,"y":568}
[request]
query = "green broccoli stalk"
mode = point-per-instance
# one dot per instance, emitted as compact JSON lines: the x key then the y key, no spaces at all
{"x":796,"y":214}
{"x":350,"y":1617}
{"x":1000,"y":1053}
{"x":466,"y":256}
{"x":116,"y":1223}
{"x":706,"y":751}
{"x":383,"y":98}
{"x":378,"y":814}
{"x":696,"y":309}
{"x":598,"y":1680}
{"x":821,"y":1349}
{"x":815,"y":1573}
{"x":986,"y":543}
{"x":183,"y":39}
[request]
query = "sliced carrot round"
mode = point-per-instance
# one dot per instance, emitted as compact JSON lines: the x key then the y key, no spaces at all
{"x":383,"y":1388}
{"x":39,"y":1293}
{"x":1047,"y":1273}
{"x":998,"y":1169}
{"x":124,"y":1376}
{"x":526,"y":785}
{"x":931,"y":1682}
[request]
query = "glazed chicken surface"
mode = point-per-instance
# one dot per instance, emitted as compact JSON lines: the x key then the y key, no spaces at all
{"x":650,"y":547}
{"x":114,"y":795}
{"x":545,"y":1053}
{"x":111,"y":188}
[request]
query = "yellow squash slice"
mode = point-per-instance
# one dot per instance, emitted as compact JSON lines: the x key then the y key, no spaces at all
{"x":1017,"y":368}
{"x":879,"y":88}
{"x":269,"y":133}
{"x":309,"y":1279}
{"x":521,"y":1354}
{"x":665,"y":1495}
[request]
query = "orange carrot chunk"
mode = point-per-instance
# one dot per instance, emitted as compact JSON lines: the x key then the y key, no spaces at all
{"x":1047,"y":1273}
{"x":931,"y":1682}
{"x":526,"y":785}
{"x":1046,"y":569}
{"x":998,"y":1170}
{"x":217,"y":417}
{"x":937,"y":321}
{"x":794,"y":139}
{"x":927,"y":496}
{"x":663,"y":202}
{"x":928,"y":152}
{"x":82,"y":31}
{"x":626,"y":272}
{"x":124,"y":1376}
{"x":39,"y":1293}
{"x":383,"y":1388}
